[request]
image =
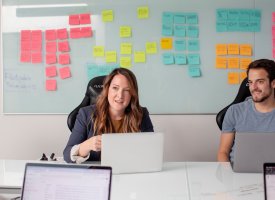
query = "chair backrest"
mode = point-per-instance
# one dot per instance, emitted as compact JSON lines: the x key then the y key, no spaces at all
{"x":94,"y":88}
{"x":243,"y":93}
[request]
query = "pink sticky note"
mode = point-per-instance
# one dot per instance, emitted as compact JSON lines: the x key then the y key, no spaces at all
{"x":50,"y":85}
{"x":51,"y":71}
{"x":273,"y":42}
{"x":25,"y":57}
{"x":85,"y":18}
{"x":64,"y":59}
{"x":86,"y":32}
{"x":37,"y":57}
{"x":36,"y":35}
{"x":36,"y":45}
{"x":75,"y":33}
{"x":273,"y":17}
{"x":50,"y":34}
{"x":25,"y":35}
{"x":50,"y":58}
{"x":62,"y":34}
{"x":65,"y":72}
{"x":273,"y":52}
{"x":273,"y":30}
{"x":51,"y":47}
{"x":74,"y":19}
{"x":25,"y":45}
{"x":63,"y":46}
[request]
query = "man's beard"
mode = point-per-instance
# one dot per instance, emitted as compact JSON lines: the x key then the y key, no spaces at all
{"x":262,"y":99}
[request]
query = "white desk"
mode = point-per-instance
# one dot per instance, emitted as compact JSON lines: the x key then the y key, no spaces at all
{"x":177,"y":181}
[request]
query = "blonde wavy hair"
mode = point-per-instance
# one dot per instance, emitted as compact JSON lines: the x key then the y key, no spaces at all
{"x":133,"y":112}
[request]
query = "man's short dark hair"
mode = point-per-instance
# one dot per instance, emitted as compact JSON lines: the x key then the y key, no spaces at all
{"x":266,"y":64}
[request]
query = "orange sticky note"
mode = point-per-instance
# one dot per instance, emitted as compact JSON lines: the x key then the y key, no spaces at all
{"x":37,"y":57}
{"x":74,"y":19}
{"x":233,"y":63}
{"x":166,"y":43}
{"x":233,"y":49}
{"x":86,"y":32}
{"x":50,"y":34}
{"x":51,"y":47}
{"x":63,"y":46}
{"x":233,"y":78}
{"x":245,"y":50}
{"x":221,"y":49}
{"x":50,"y":71}
{"x":65,"y":72}
{"x":62,"y":34}
{"x":75,"y":33}
{"x":243,"y":75}
{"x":50,"y":85}
{"x":221,"y":63}
{"x":244,"y":62}
{"x":50,"y":58}
{"x":25,"y":56}
{"x":64,"y":59}
{"x":85,"y":18}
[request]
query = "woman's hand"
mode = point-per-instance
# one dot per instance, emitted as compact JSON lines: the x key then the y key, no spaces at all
{"x":91,"y":144}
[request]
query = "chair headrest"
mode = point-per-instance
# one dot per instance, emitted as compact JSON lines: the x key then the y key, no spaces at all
{"x":95,"y":86}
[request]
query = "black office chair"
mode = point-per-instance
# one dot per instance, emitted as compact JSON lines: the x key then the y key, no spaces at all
{"x":94,"y":88}
{"x":243,"y":93}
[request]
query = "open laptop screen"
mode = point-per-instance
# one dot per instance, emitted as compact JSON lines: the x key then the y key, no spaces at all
{"x":63,"y":182}
{"x":269,"y":181}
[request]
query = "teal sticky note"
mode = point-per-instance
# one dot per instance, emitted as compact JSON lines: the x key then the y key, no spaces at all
{"x":192,"y":18}
{"x":255,"y":15}
{"x":243,"y":26}
{"x":194,"y":71}
{"x":179,"y":18}
{"x":180,"y":45}
{"x":168,"y":59}
{"x":232,"y":25}
{"x":221,"y":14}
{"x":193,"y":45}
{"x":255,"y":26}
{"x":233,"y":14}
{"x":94,"y":70}
{"x":192,"y":31}
{"x":221,"y":26}
{"x":167,"y":29}
{"x":244,"y":15}
{"x":180,"y":30}
{"x":180,"y":59}
{"x":193,"y":59}
{"x":167,"y":18}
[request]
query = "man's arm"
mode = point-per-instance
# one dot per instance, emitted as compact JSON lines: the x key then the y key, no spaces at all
{"x":226,"y":143}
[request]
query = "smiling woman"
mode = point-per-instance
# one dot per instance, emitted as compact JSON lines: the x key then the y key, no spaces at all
{"x":117,"y":110}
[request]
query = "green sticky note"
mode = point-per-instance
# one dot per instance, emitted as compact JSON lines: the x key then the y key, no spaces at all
{"x":243,"y":26}
{"x":179,"y":18}
{"x":167,"y":29}
{"x":221,"y":26}
{"x":180,"y":30}
{"x":244,"y":14}
{"x":255,"y":26}
{"x":232,"y":25}
{"x":221,"y":14}
{"x":167,"y":18}
{"x":192,"y":18}
{"x":255,"y":15}
{"x":168,"y":59}
{"x":180,"y":59}
{"x":180,"y":45}
{"x":194,"y":71}
{"x":233,"y":14}
{"x":193,"y":59}
{"x":192,"y":31}
{"x":193,"y":45}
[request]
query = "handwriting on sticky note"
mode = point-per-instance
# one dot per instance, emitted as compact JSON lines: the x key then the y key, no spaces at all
{"x":36,"y":57}
{"x":180,"y":59}
{"x":62,"y":34}
{"x":51,"y":85}
{"x":193,"y":59}
{"x":168,"y":59}
{"x":50,"y":71}
{"x":98,"y":51}
{"x":86,"y":32}
{"x":36,"y":45}
{"x":50,"y":34}
{"x":36,"y":35}
{"x":126,"y":48}
{"x":221,"y":49}
{"x":65,"y":72}
{"x":25,"y":57}
{"x":221,"y":63}
{"x":51,"y":47}
{"x":244,"y":62}
{"x":166,"y":43}
{"x":245,"y":50}
{"x":143,"y":12}
{"x":63,"y":46}
{"x":194,"y":71}
{"x":233,"y":49}
{"x":233,"y":63}
{"x":74,"y":19}
{"x":75,"y":33}
{"x":110,"y":56}
{"x":85,"y":18}
{"x":151,"y":47}
{"x":125,"y":62}
{"x":125,"y":31}
{"x":139,"y":57}
{"x":50,"y":58}
{"x":64,"y":59}
{"x":233,"y":78}
{"x":107,"y":15}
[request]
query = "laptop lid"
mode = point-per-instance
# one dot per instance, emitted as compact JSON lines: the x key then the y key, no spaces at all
{"x":63,"y":182}
{"x":252,"y":150}
{"x":269,"y":180}
{"x":132,"y":152}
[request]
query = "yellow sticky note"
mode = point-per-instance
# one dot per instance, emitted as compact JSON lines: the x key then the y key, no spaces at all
{"x":243,"y":75}
{"x":233,"y":63}
{"x":233,"y":78}
{"x":143,"y":12}
{"x":151,"y":47}
{"x":125,"y":31}
{"x":245,"y":50}
{"x":221,"y":63}
{"x":107,"y":15}
{"x":125,"y":62}
{"x":244,"y":62}
{"x":139,"y":57}
{"x":233,"y":49}
{"x":166,"y":43}
{"x":126,"y":48}
{"x":221,"y":49}
{"x":98,"y":51}
{"x":110,"y":56}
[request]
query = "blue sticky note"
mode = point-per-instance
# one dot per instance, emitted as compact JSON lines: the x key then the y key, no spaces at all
{"x":167,"y":18}
{"x":244,"y":14}
{"x":180,"y":59}
{"x":180,"y":45}
{"x":193,"y":45}
{"x":221,"y":14}
{"x":167,"y":29}
{"x":255,"y":15}
{"x":179,"y":18}
{"x":192,"y":18}
{"x":221,"y":26}
{"x":180,"y":30}
{"x":233,"y":14}
{"x":193,"y":59}
{"x":192,"y":31}
{"x":232,"y":25}
{"x":194,"y":71}
{"x":168,"y":59}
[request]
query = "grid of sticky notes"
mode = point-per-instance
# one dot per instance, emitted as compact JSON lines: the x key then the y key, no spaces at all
{"x":273,"y":34}
{"x":238,"y":20}
{"x":180,"y":33}
{"x":234,"y":57}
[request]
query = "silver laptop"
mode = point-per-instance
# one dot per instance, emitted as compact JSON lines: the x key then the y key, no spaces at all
{"x":252,"y":150}
{"x":269,"y":181}
{"x":132,"y":152}
{"x":63,"y":181}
